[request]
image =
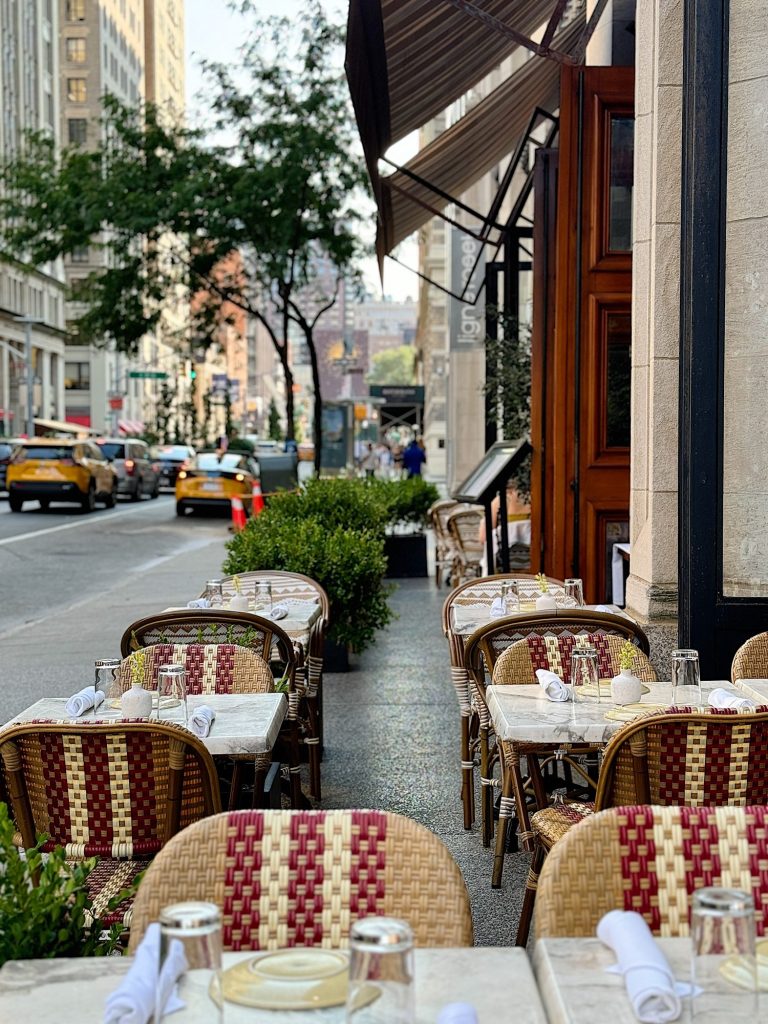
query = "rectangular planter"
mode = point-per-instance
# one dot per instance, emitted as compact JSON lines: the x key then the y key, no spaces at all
{"x":406,"y":555}
{"x":335,"y":657}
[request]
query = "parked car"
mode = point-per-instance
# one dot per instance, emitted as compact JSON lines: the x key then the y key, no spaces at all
{"x":53,"y":469}
{"x":212,"y":479}
{"x":6,"y":451}
{"x":171,"y":458}
{"x":137,"y":472}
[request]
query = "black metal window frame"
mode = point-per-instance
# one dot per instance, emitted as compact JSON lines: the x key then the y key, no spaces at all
{"x":714,"y":624}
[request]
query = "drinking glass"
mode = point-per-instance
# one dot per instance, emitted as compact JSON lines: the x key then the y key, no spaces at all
{"x":686,"y":680}
{"x":264,"y":598}
{"x":510,"y":595}
{"x":172,"y":686}
{"x":380,"y":972}
{"x":574,"y":594}
{"x":191,"y":931}
{"x":214,"y":591}
{"x":585,"y":678}
{"x":105,"y":681}
{"x":724,"y":964}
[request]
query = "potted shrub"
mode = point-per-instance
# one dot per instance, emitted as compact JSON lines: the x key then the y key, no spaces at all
{"x":406,"y":505}
{"x":45,"y":910}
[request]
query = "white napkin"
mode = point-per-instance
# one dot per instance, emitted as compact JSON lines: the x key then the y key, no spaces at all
{"x":651,"y":986}
{"x":498,"y":608}
{"x":722,"y":698}
{"x":201,"y":720}
{"x":133,"y":1002}
{"x":199,"y":602}
{"x":552,"y":685}
{"x":279,"y":611}
{"x":82,"y":701}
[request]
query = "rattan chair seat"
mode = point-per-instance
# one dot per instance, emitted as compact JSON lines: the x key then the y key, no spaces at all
{"x":551,"y":823}
{"x":106,"y":881}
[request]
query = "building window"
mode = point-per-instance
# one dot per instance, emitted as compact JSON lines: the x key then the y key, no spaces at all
{"x":76,"y":51}
{"x":78,"y":130}
{"x":75,"y":10}
{"x":81,"y":254}
{"x":76,"y":92}
{"x":77,"y":376}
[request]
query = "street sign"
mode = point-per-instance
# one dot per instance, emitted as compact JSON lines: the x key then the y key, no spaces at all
{"x":116,"y":402}
{"x":148,"y":374}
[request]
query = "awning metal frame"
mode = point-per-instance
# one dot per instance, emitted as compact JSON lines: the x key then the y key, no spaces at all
{"x":489,"y":220}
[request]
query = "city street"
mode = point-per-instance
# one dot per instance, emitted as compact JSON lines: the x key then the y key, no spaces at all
{"x":71,"y":583}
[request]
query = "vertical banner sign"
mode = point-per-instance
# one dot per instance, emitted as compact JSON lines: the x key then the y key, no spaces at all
{"x":467,"y":321}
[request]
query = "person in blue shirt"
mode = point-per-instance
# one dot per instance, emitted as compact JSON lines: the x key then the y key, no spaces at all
{"x":414,"y":458}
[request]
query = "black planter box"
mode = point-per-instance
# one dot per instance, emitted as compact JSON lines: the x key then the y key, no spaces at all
{"x":335,"y":657}
{"x":406,"y":555}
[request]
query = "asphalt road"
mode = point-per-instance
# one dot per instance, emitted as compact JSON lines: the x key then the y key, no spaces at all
{"x":70,"y":583}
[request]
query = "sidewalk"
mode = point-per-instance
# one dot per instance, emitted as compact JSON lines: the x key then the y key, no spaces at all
{"x":391,"y":743}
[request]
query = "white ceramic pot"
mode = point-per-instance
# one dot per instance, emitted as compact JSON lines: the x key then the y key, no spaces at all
{"x":136,"y":702}
{"x":626,"y":688}
{"x":238,"y":603}
{"x":546,"y":603}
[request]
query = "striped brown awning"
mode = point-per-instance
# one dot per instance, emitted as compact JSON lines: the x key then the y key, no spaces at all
{"x":471,"y":147}
{"x":407,"y":60}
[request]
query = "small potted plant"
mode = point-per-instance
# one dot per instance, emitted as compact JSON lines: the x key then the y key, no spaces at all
{"x":137,"y":702}
{"x":545,"y":602}
{"x":626,"y":688}
{"x":238,"y":602}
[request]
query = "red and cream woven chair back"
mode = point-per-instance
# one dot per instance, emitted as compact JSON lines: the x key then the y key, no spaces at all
{"x":110,"y":789}
{"x":302,"y":878}
{"x":751,"y":659}
{"x":209,"y":668}
{"x":681,"y":756}
{"x":651,"y":859}
{"x":520,"y":661}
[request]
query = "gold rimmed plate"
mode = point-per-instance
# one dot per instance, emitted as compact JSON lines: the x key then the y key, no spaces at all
{"x":626,"y":712}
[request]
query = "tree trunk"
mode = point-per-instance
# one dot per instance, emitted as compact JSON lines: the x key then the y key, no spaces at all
{"x":317,"y":433}
{"x":290,"y":414}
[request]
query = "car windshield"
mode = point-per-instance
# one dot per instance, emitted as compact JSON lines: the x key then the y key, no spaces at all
{"x":48,"y":451}
{"x":112,"y":450}
{"x":210,"y":460}
{"x":173,"y":453}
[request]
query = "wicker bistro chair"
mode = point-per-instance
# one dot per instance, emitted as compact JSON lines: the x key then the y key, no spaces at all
{"x":241,"y":629}
{"x":480,"y":591}
{"x":445,"y":551}
{"x":464,"y":529}
{"x":751,"y":659}
{"x":518,"y":665}
{"x":651,"y":859}
{"x":287,"y":878}
{"x":678,"y":756}
{"x":294,"y":586}
{"x":485,"y":645}
{"x":211,"y":668}
{"x":116,"y":790}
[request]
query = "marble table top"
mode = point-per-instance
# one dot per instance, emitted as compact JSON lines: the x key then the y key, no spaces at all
{"x":246,"y":723}
{"x":73,"y":991}
{"x":756,"y":689}
{"x":469,"y":617}
{"x":575,"y":988}
{"x":525,"y":715}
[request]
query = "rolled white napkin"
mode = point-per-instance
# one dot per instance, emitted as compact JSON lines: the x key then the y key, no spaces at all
{"x":199,"y":602}
{"x":279,"y":611}
{"x":722,"y":698}
{"x":552,"y":685}
{"x":83,"y":701}
{"x":651,"y":986}
{"x":133,"y":1002}
{"x":201,"y":720}
{"x":498,"y":608}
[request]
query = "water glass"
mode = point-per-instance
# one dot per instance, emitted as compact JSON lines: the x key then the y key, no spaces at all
{"x":574,"y":594}
{"x":172,"y":690}
{"x":585,"y":678}
{"x":380,"y":972}
{"x":264,"y":598}
{"x":686,"y":679}
{"x":191,"y":932}
{"x":723,"y":963}
{"x":510,"y":596}
{"x":105,"y":681}
{"x":214,"y":591}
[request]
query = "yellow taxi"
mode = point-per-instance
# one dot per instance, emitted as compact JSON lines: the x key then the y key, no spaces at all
{"x":47,"y":470}
{"x":211,"y":479}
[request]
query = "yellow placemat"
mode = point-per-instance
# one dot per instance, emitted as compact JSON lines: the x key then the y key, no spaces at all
{"x":627,"y":712}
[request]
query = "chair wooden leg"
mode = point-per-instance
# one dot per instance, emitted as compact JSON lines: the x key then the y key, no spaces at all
{"x":529,"y":899}
{"x":486,"y":794}
{"x":506,"y":811}
{"x":313,"y":747}
{"x":294,"y":767}
{"x":467,"y":774}
{"x":236,"y":785}
{"x":258,"y":798}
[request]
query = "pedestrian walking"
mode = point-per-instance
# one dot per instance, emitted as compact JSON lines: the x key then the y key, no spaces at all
{"x":414,"y":458}
{"x":369,"y":461}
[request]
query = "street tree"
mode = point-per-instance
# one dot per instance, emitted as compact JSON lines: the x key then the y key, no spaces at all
{"x":274,"y":432}
{"x":258,"y":211}
{"x":393,"y":366}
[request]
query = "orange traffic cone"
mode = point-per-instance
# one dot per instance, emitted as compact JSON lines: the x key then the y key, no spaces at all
{"x":238,"y":514}
{"x":257,"y":504}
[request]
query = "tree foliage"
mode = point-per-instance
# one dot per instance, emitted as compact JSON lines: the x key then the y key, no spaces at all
{"x":264,"y":221}
{"x":508,"y":381}
{"x":393,"y":366}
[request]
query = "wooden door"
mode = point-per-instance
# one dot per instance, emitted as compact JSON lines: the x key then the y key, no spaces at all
{"x":581,"y":399}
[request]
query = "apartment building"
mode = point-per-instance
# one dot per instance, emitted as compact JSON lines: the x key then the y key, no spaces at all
{"x":29,"y":98}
